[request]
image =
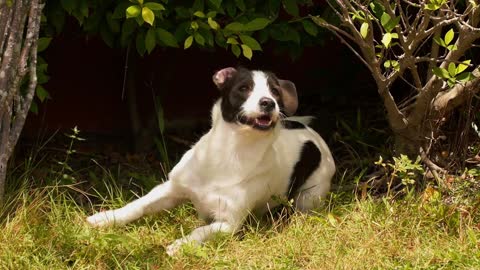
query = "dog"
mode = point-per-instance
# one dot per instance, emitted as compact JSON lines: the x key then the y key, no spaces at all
{"x":254,"y":152}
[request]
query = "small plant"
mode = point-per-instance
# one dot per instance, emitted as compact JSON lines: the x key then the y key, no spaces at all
{"x":65,"y":172}
{"x":403,"y":169}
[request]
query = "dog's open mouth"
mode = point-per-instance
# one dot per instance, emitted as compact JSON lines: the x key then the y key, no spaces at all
{"x":263,"y":122}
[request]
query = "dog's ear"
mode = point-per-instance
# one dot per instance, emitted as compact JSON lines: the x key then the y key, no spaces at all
{"x":221,"y":76}
{"x":289,"y":96}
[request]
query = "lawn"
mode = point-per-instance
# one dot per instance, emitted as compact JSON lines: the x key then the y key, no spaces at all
{"x":45,"y":228}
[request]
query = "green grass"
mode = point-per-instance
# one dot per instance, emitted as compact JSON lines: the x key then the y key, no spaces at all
{"x":45,"y":229}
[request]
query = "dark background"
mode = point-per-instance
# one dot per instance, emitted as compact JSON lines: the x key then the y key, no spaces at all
{"x":87,"y":88}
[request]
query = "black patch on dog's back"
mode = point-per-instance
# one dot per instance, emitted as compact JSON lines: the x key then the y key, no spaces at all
{"x":308,"y":162}
{"x":289,"y":124}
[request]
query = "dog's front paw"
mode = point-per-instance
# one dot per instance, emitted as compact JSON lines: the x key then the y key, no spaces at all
{"x":174,"y":247}
{"x":102,"y":219}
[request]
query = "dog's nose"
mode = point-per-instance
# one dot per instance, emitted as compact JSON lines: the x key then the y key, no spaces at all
{"x":267,"y":104}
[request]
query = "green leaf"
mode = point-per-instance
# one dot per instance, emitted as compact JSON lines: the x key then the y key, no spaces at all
{"x":194,"y":25}
{"x":216,"y":3}
{"x":133,"y":11}
{"x":42,"y":44}
{"x":240,"y":4}
{"x":150,"y":40}
{"x":231,"y":11}
{"x":439,"y":41}
{"x":236,"y":50}
{"x":291,"y":7}
{"x":112,"y":23}
{"x":199,"y":38}
{"x":390,"y":25}
{"x":199,"y":14}
{"x":211,"y":14}
{"x":364,"y":29}
{"x":310,"y":27}
{"x":198,"y":5}
{"x":451,"y":82}
{"x":68,"y":5}
{"x":318,"y":20}
{"x":167,"y":38}
{"x":213,"y":24}
{"x":34,"y":107}
{"x":377,"y":9}
{"x":250,"y":42}
{"x":452,"y":69}
{"x":247,"y":51}
{"x":257,"y":24}
{"x":188,"y":42}
{"x":385,"y":19}
{"x":234,"y":27}
{"x":232,"y":40}
{"x":154,"y":6}
{"x":386,"y":39}
{"x":147,"y":15}
{"x":119,"y":11}
{"x":449,"y":36}
{"x":441,"y":72}
{"x":463,"y":66}
{"x":452,"y":47}
{"x":42,"y":94}
{"x":465,"y":77}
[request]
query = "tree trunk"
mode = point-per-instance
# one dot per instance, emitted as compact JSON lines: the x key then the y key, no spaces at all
{"x":19,"y":28}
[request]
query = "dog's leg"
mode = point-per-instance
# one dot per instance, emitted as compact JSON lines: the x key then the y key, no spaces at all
{"x":162,"y":197}
{"x":202,"y":234}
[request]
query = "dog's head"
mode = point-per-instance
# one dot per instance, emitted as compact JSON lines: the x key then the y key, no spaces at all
{"x":254,"y":98}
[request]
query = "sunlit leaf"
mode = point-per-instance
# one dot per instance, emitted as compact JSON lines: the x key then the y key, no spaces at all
{"x":386,"y":39}
{"x":147,"y":15}
{"x":439,"y":41}
{"x":236,"y":50}
{"x":188,"y":42}
{"x":213,"y":24}
{"x":449,"y":36}
{"x":452,"y":69}
{"x":154,"y":6}
{"x":133,"y":11}
{"x":441,"y":73}
{"x":199,"y":14}
{"x":250,"y":42}
{"x":364,"y":29}
{"x":463,"y":66}
{"x":247,"y":51}
{"x":199,"y":38}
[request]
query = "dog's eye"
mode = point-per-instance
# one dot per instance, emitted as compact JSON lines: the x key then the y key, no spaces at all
{"x":244,"y":88}
{"x":275,"y":91}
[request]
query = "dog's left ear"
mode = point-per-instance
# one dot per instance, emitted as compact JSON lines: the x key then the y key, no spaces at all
{"x":289,"y":96}
{"x":221,"y":76}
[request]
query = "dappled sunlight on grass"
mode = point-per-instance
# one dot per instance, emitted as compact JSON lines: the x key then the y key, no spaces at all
{"x":46,"y":229}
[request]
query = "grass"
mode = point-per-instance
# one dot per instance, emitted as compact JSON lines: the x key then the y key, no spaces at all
{"x":45,"y":229}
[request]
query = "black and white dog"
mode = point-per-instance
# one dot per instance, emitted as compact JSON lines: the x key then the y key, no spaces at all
{"x":251,"y":155}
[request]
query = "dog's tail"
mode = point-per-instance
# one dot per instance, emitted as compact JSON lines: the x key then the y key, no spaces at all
{"x":306,"y":120}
